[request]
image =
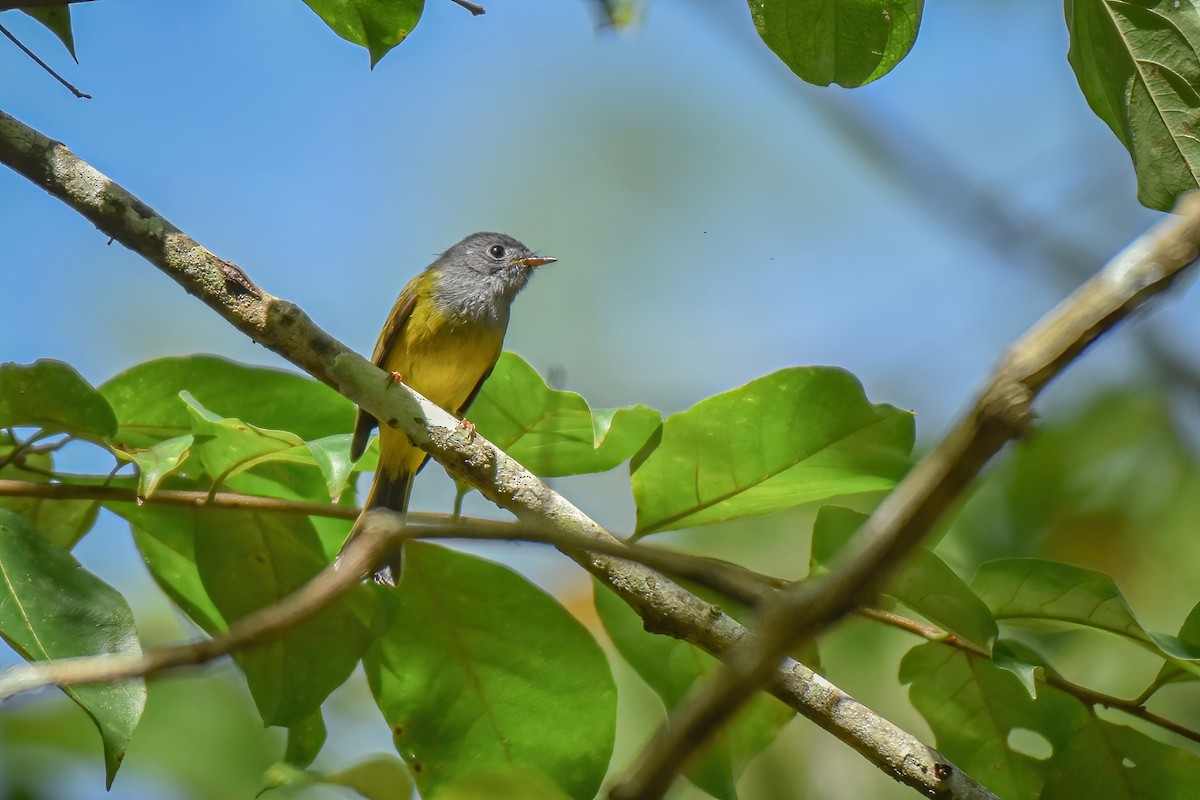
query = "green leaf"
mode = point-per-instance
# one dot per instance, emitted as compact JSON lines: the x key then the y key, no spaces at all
{"x":671,"y":667}
{"x":848,"y":42}
{"x":551,"y":432}
{"x":1114,"y":762}
{"x":247,"y":560}
{"x":158,"y":461}
{"x":482,"y":670}
{"x":51,"y":608}
{"x":1020,"y":662}
{"x":148,"y":406}
{"x":502,"y":784}
{"x":1138,"y":66}
{"x":378,"y":25}
{"x":926,"y":584}
{"x":332,"y":456}
{"x":305,"y":740}
{"x":51,"y":395}
{"x":166,"y":539}
{"x":1032,"y":589}
{"x":58,"y":20}
{"x":380,"y":777}
{"x":60,"y":522}
{"x":796,"y":436}
{"x":226,"y":446}
{"x":1170,"y":672}
{"x":973,"y":707}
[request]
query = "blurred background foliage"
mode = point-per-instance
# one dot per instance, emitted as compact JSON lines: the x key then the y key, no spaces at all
{"x":715,"y":219}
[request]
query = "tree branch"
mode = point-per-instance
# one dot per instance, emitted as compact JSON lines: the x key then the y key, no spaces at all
{"x":732,"y":580}
{"x":664,"y":606}
{"x":1001,"y":412}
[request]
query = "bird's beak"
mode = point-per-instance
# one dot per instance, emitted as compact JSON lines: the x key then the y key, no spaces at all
{"x":537,"y":261}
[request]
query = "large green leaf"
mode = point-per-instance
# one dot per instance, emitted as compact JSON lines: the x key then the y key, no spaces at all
{"x":52,"y":395}
{"x":481,"y":670}
{"x":247,"y":560}
{"x":1139,"y":68}
{"x":166,"y":539}
{"x":1033,"y":589}
{"x":553,"y":432}
{"x":671,"y":667}
{"x":973,"y":707}
{"x":52,"y":608}
{"x":1113,"y":762}
{"x":148,"y":406}
{"x":926,"y":584}
{"x":796,"y":436}
{"x":848,"y":42}
{"x":378,"y":25}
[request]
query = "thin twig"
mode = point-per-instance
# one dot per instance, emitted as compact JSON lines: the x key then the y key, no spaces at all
{"x":44,"y":65}
{"x":276,"y":324}
{"x":734,"y":581}
{"x":474,"y":8}
{"x":1001,"y":413}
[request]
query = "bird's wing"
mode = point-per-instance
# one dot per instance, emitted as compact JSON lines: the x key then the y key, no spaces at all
{"x":364,"y":423}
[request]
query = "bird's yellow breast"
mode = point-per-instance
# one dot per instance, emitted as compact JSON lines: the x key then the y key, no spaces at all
{"x":442,"y":358}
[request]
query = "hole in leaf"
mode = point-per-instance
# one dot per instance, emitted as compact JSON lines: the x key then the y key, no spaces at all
{"x":1030,"y":743}
{"x":1125,"y":762}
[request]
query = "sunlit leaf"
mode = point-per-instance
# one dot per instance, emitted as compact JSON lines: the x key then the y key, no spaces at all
{"x":482,"y":670}
{"x":148,"y":406}
{"x":52,"y":395}
{"x":378,"y":25}
{"x":796,"y":436}
{"x":848,"y":42}
{"x":1138,"y":66}
{"x":552,"y":432}
{"x":158,"y":461}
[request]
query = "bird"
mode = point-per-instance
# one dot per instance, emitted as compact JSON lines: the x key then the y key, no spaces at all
{"x":442,"y":338}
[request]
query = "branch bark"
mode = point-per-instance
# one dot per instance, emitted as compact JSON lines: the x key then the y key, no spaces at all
{"x":284,"y":328}
{"x":1001,"y":412}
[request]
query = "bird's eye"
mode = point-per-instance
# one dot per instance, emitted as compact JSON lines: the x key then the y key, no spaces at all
{"x":496,"y":251}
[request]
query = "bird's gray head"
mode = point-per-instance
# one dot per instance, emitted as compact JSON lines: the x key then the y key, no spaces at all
{"x":479,"y":277}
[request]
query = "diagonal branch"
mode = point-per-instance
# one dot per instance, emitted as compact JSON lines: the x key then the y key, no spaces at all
{"x":663,"y":605}
{"x":1001,"y":413}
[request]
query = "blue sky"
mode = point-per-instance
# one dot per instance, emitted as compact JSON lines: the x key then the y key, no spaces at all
{"x":714,"y":218}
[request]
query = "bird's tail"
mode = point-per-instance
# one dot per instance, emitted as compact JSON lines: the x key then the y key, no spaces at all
{"x":389,"y":490}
